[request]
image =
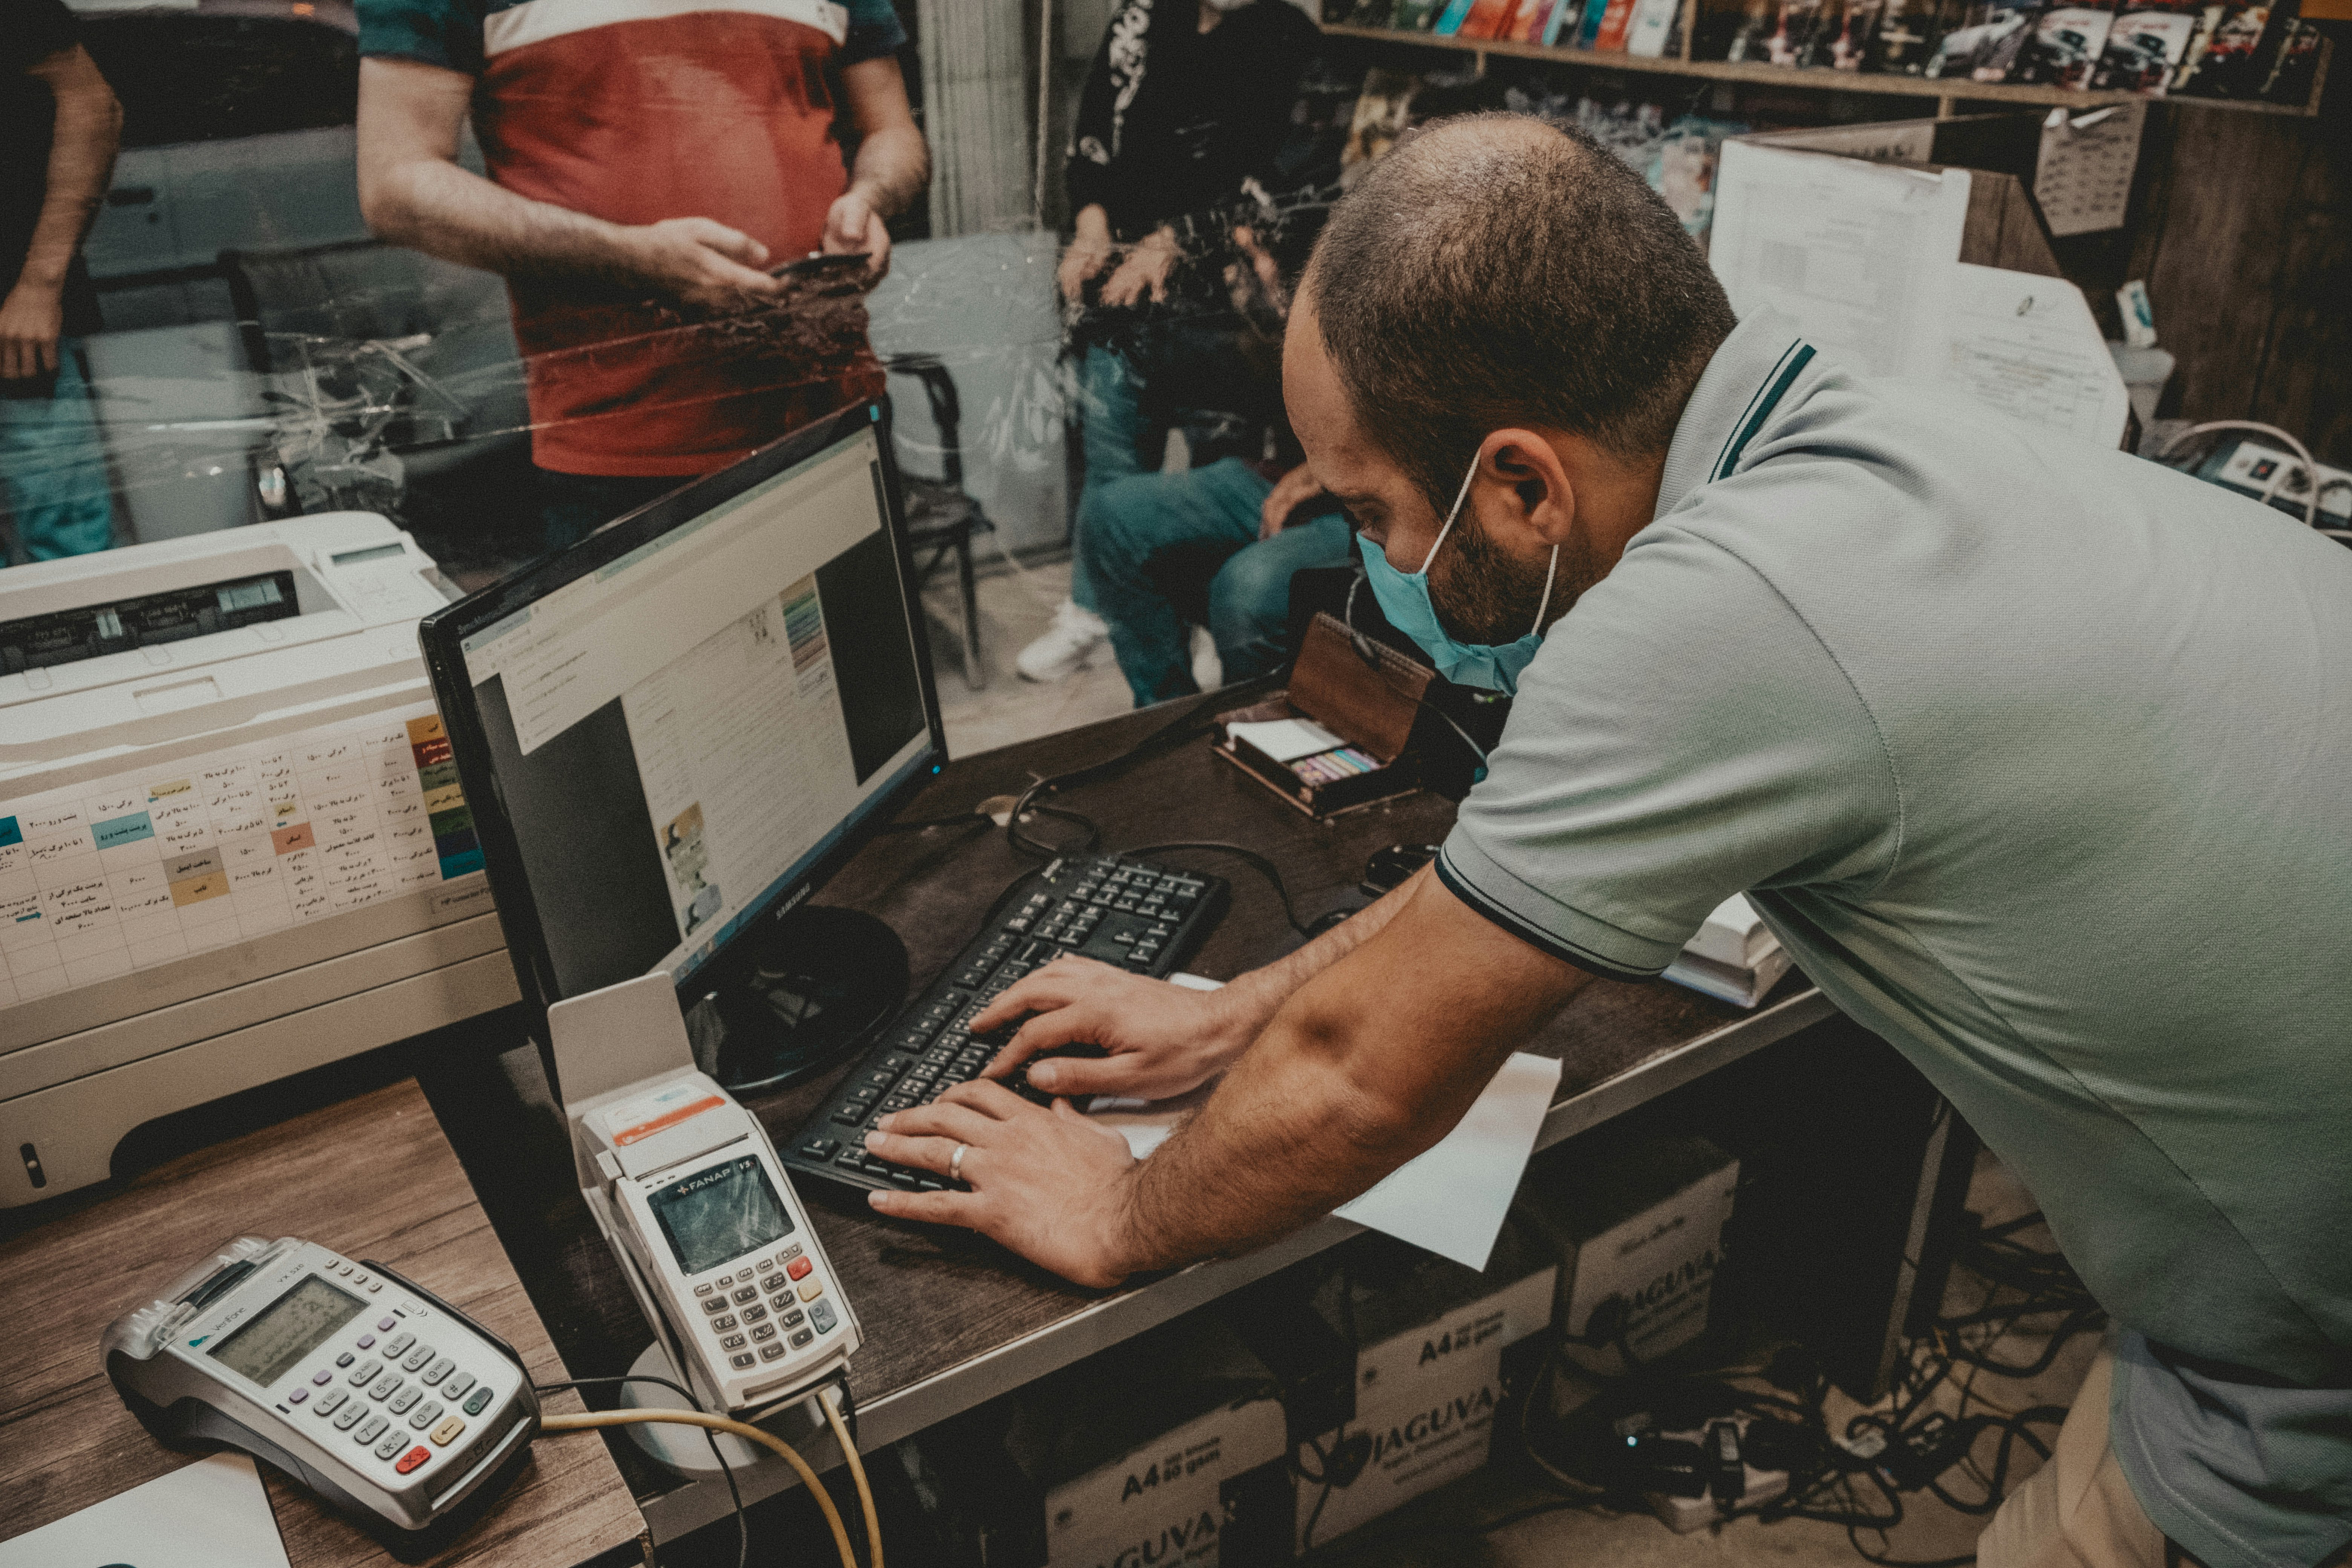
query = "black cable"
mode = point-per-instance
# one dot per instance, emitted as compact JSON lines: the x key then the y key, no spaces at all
{"x":1182,"y":728}
{"x":1258,"y":862}
{"x":742,"y":1523}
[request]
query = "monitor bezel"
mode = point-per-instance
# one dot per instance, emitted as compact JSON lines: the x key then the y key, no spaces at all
{"x":441,"y":635}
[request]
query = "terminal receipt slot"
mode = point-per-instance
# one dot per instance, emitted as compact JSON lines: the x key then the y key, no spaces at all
{"x":232,"y":843}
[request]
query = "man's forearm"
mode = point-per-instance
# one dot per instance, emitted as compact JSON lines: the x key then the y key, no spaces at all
{"x":893,"y":166}
{"x":1365,"y":1065}
{"x":1256,"y":997}
{"x":89,"y":124}
{"x":449,"y":212}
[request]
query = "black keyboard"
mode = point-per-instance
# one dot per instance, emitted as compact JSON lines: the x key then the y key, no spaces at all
{"x":1143,"y":917}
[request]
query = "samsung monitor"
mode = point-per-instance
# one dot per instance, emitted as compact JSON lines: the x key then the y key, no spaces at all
{"x":673,"y":732}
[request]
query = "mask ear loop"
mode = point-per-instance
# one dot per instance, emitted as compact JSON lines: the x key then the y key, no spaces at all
{"x":1450,"y":517}
{"x":1551,"y":575}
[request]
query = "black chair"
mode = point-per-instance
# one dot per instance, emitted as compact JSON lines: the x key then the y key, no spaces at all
{"x":941,"y":517}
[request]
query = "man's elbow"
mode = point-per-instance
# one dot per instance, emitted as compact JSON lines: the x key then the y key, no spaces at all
{"x":385,"y":204}
{"x":1383,"y":1122}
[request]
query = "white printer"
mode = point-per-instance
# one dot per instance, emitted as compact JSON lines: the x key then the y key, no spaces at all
{"x":232,"y":842}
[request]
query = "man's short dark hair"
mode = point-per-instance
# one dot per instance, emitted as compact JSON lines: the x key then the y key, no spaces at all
{"x":1495,"y":270}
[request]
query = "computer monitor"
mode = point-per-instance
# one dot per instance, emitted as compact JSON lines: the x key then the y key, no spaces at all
{"x":674,"y":731}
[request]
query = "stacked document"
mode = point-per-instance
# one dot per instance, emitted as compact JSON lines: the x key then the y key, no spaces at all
{"x":1735,"y":956}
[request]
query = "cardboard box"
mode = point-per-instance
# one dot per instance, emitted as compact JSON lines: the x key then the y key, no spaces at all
{"x":1636,"y":1227}
{"x":1429,"y":1381}
{"x":1166,"y":1450}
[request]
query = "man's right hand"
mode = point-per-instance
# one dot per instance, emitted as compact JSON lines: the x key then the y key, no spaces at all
{"x":1085,"y":258}
{"x":1162,"y":1039}
{"x":698,"y":262}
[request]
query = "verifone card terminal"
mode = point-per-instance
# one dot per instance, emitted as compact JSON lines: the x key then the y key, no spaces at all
{"x":688,"y":1189}
{"x":371,"y":1391}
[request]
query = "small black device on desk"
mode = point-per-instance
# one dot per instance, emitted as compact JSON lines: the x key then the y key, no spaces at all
{"x":1144,"y":917}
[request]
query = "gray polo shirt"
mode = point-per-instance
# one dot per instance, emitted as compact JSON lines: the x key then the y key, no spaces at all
{"x":2039,"y":760}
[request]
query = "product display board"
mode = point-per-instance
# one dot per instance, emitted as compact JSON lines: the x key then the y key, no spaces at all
{"x":123,"y":873}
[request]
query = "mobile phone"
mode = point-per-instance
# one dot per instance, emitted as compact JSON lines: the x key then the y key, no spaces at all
{"x":821,"y":267}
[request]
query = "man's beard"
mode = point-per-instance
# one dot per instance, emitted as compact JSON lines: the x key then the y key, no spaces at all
{"x":1487,"y":599}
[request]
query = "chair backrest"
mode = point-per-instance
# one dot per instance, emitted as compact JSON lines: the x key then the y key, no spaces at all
{"x":946,"y":407}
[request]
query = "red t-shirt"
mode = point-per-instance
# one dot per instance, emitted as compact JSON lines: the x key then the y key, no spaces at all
{"x":638,"y":110}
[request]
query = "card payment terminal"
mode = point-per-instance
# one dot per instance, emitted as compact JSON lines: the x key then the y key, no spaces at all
{"x":688,"y":1189}
{"x":368,"y":1388}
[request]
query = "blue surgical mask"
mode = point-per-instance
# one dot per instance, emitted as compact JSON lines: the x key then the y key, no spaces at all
{"x":1405,"y":600}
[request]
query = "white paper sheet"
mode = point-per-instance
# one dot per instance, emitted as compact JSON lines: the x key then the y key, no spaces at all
{"x":1851,"y":252}
{"x":1286,"y":739}
{"x":1451,"y":1200}
{"x":2029,"y":346}
{"x":211,"y":1514}
{"x":2082,"y":178}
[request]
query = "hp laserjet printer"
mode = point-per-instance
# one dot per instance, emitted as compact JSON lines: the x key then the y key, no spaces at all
{"x":232,"y":843}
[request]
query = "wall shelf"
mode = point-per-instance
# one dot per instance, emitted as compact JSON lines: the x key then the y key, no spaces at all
{"x":1948,"y":93}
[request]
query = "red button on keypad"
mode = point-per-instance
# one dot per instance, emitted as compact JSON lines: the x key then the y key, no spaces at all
{"x":411,"y":1459}
{"x":798,"y":1267}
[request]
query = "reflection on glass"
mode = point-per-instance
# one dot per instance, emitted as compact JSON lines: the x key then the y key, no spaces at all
{"x":719,"y":1215}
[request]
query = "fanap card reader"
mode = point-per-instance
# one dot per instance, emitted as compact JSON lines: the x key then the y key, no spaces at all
{"x":687,"y":1190}
{"x":366,"y":1387}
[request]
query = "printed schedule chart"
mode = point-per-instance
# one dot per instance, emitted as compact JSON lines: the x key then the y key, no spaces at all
{"x":123,"y":873}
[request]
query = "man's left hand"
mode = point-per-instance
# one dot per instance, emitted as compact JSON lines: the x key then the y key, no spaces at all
{"x":1290,"y":492}
{"x":31,"y":319}
{"x":1049,"y":1185}
{"x":852,"y":226}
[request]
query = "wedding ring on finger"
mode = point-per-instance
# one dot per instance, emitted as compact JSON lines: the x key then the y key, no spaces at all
{"x":955,"y":1162}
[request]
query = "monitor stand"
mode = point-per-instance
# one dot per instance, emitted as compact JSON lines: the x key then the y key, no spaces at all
{"x":807,"y":993}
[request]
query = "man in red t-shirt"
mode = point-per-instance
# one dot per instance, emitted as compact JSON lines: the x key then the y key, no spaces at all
{"x":649,"y":163}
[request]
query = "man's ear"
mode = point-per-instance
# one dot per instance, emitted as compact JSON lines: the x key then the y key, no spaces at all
{"x":1541,"y":496}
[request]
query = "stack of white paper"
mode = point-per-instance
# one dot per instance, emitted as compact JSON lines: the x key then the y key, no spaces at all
{"x":1734,"y":957}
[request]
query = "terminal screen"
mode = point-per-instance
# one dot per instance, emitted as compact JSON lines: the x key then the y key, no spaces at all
{"x":288,"y":1330}
{"x":679,"y":734}
{"x":719,"y":1214}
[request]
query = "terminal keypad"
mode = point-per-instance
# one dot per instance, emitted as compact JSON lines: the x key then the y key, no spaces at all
{"x":376,"y":1390}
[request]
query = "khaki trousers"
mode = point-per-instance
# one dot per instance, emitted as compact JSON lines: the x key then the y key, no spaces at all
{"x":2077,"y":1511}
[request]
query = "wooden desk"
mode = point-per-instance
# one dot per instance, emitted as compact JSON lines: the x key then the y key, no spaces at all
{"x":371,"y":1177}
{"x":949,"y":1321}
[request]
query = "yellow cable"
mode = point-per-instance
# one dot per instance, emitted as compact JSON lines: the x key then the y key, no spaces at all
{"x":589,"y":1420}
{"x":857,"y":1473}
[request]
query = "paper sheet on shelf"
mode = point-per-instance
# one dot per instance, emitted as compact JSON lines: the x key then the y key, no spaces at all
{"x":2029,"y":346}
{"x":2082,"y":174}
{"x":211,"y":1514}
{"x":1451,"y":1200}
{"x":1852,"y":252}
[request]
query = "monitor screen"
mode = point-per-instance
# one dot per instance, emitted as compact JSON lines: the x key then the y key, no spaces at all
{"x":680,"y":733}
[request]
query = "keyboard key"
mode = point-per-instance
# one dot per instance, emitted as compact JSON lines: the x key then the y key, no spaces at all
{"x":817,"y":1149}
{"x":457,"y":1385}
{"x":732,"y":1343}
{"x":397,"y":1343}
{"x":715,"y":1305}
{"x":480,"y":1403}
{"x":425,"y":1415}
{"x":747,"y":1293}
{"x":799,"y":1268}
{"x":351,"y":1416}
{"x":753,"y":1314}
{"x":821,"y":1317}
{"x":812,"y":1288}
{"x":366,"y":1372}
{"x":370,"y":1430}
{"x":391,"y":1445}
{"x":404,"y":1399}
{"x":794,"y":1319}
{"x":449,"y":1432}
{"x":326,"y":1404}
{"x":740,"y":1360}
{"x":411,"y":1459}
{"x":416,"y":1359}
{"x":440,"y":1369}
{"x":771,"y":1353}
{"x":346,"y":1360}
{"x":802,"y":1337}
{"x":725,"y":1323}
{"x":386,"y":1387}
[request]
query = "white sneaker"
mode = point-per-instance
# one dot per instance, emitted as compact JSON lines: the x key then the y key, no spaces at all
{"x":1208,"y":669}
{"x":1066,"y":647}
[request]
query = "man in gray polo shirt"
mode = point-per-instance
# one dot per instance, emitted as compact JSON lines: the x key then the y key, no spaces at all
{"x":2038,"y":758}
